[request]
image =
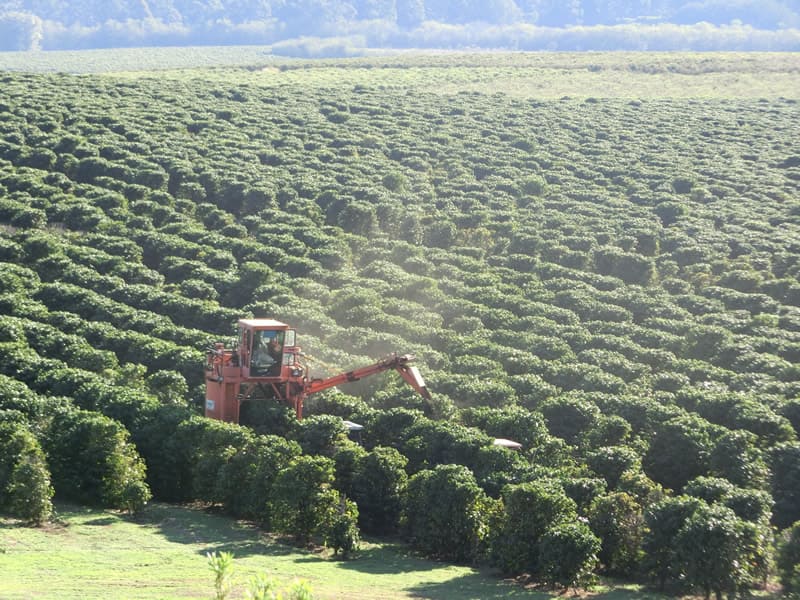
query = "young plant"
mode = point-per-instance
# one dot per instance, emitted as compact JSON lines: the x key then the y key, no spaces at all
{"x":221,"y":563}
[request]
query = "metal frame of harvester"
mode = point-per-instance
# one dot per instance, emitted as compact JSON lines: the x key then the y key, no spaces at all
{"x":267,"y":362}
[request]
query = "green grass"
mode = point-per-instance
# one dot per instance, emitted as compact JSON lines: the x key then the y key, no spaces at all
{"x":554,"y":75}
{"x":92,"y":553}
{"x":543,"y":75}
{"x":134,"y":59}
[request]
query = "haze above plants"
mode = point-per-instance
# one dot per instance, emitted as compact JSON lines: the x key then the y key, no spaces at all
{"x":351,"y":27}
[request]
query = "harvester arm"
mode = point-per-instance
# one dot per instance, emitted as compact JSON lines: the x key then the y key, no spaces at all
{"x":400,"y":363}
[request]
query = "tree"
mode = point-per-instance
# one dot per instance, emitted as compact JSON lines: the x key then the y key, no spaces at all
{"x":535,"y":185}
{"x":670,"y":212}
{"x":445,"y":513}
{"x":244,"y":481}
{"x":440,"y":234}
{"x":25,"y":489}
{"x":712,"y":550}
{"x":791,"y":410}
{"x":610,"y":431}
{"x":709,"y":489}
{"x":430,"y":443}
{"x":678,"y":451}
{"x":379,"y":485}
{"x":785,"y":484}
{"x":93,"y":461}
{"x":568,"y":554}
{"x":169,"y":387}
{"x":583,"y":490}
{"x":529,"y":510}
{"x":320,"y":434}
{"x":341,"y":528}
{"x":750,"y":505}
{"x":251,"y":276}
{"x":389,"y":427}
{"x":303,"y":500}
{"x":628,"y":266}
{"x":612,"y":461}
{"x":788,"y":558}
{"x":617,"y":520}
{"x":662,"y":523}
{"x":358,"y":217}
{"x":737,"y":458}
{"x":347,"y":461}
{"x":512,"y":422}
{"x":496,"y":466}
{"x":568,"y":417}
{"x":395,"y":181}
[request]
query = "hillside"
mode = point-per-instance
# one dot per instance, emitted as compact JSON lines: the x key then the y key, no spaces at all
{"x":609,"y":279}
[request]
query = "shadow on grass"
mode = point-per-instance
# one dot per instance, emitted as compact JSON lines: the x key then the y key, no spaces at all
{"x":389,"y":558}
{"x":102,"y":521}
{"x":213,"y":532}
{"x":627,"y":594}
{"x":66,"y":510}
{"x":478,"y":586}
{"x":482,"y":586}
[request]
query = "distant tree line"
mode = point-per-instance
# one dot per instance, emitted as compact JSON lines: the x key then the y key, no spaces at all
{"x":519,"y":24}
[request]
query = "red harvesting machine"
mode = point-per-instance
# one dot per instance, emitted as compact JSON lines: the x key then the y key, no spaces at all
{"x":267,"y":362}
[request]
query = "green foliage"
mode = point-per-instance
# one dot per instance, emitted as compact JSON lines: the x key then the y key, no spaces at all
{"x":320,"y":434}
{"x":25,"y":489}
{"x":611,"y":462}
{"x":708,"y":489}
{"x":634,"y":328}
{"x":395,"y":182}
{"x":245,"y":480}
{"x":663,"y":521}
{"x":670,"y":211}
{"x":712,"y":550}
{"x":221,"y":564}
{"x":750,"y":505}
{"x":513,"y":422}
{"x":630,"y":267}
{"x":263,"y":587}
{"x":618,"y":522}
{"x":529,"y":510}
{"x":445,"y":513}
{"x":302,"y":501}
{"x":785,"y":485}
{"x":568,"y":554}
{"x":737,"y":458}
{"x":534,"y":186}
{"x":168,"y":387}
{"x":93,"y":461}
{"x":569,"y":416}
{"x":429,"y":443}
{"x":788,"y":558}
{"x":378,"y":488}
{"x":341,"y":529}
{"x":678,"y":452}
{"x":682,"y":184}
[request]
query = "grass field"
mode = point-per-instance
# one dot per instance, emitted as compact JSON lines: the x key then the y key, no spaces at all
{"x":92,"y":553}
{"x":554,"y":75}
{"x":544,"y":75}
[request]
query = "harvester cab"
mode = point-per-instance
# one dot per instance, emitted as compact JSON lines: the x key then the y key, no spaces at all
{"x":266,"y":362}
